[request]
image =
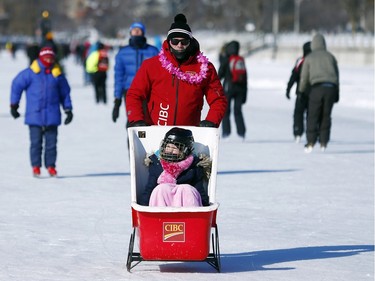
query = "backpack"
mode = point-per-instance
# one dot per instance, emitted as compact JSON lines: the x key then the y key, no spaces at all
{"x":237,"y":69}
{"x":103,"y":62}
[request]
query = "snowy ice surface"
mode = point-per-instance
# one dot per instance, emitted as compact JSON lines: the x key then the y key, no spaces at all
{"x":284,"y":215}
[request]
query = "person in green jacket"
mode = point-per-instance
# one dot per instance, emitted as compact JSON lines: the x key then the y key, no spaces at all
{"x":319,"y":72}
{"x":97,"y":64}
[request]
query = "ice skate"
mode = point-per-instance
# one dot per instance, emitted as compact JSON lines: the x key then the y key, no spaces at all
{"x":36,"y":171}
{"x":309,"y":147}
{"x":52,"y":171}
{"x":323,"y":147}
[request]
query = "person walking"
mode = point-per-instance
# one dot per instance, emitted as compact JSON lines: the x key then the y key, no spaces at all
{"x":320,"y":72}
{"x":169,"y":89}
{"x":97,"y":65}
{"x":235,"y":89}
{"x":46,"y":90}
{"x":127,"y":62}
{"x":300,"y":108}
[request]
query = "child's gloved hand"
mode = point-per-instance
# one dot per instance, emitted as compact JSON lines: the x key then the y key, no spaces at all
{"x":13,"y":111}
{"x":69,"y":116}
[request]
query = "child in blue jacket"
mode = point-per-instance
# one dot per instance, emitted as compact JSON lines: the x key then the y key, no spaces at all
{"x":46,"y":90}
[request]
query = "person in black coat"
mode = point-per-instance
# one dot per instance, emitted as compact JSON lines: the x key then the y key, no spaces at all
{"x":32,"y":51}
{"x":235,"y":92}
{"x":302,"y":98}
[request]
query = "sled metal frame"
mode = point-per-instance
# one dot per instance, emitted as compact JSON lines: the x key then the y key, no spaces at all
{"x":213,"y":258}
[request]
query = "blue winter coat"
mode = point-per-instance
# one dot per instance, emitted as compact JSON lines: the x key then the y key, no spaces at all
{"x":127,"y":62}
{"x":44,"y":94}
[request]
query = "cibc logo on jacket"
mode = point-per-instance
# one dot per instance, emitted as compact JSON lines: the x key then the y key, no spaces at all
{"x":173,"y":232}
{"x":163,"y":114}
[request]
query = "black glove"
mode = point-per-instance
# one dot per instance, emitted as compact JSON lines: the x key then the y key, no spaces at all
{"x":116,"y":110}
{"x":14,"y":111}
{"x":69,"y":116}
{"x":287,"y":95}
{"x":205,"y":123}
{"x":139,"y":123}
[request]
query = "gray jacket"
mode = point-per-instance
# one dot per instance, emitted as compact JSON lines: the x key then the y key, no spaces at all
{"x":320,"y":66}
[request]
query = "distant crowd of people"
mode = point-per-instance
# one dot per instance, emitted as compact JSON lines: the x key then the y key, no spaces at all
{"x":167,"y":86}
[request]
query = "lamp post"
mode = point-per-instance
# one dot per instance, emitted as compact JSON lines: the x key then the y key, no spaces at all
{"x":297,"y":4}
{"x":275,"y":26}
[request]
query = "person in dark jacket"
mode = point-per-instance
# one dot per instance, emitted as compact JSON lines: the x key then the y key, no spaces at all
{"x":32,"y":51}
{"x":175,"y":176}
{"x":319,"y":72}
{"x":46,"y":90}
{"x":170,"y":89}
{"x":234,"y":91}
{"x":127,"y":62}
{"x":300,"y":107}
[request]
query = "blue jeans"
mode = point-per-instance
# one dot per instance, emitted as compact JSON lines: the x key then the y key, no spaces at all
{"x":37,"y":134}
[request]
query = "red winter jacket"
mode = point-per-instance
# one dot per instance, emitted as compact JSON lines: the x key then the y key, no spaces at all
{"x":170,"y":99}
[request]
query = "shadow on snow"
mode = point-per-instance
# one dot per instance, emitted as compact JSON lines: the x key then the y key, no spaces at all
{"x":259,"y":260}
{"x":219,"y":173}
{"x":262,"y":260}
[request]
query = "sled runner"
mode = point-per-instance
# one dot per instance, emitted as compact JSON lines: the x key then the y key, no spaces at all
{"x":170,"y":233}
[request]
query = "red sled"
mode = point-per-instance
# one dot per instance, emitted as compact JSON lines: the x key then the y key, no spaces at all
{"x":170,"y":233}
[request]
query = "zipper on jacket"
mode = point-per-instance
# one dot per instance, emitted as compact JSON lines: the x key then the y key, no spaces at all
{"x":141,"y":61}
{"x":137,"y":60}
{"x":176,"y":106}
{"x":44,"y":99}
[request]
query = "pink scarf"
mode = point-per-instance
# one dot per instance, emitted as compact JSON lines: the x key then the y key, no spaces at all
{"x":173,"y":169}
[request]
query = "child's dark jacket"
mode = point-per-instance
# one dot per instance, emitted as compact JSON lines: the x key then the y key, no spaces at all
{"x":194,"y":175}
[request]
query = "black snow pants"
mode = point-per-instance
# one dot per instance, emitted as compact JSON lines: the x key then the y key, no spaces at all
{"x":300,"y":109}
{"x":321,"y":100}
{"x":99,"y":79}
{"x":238,"y":100}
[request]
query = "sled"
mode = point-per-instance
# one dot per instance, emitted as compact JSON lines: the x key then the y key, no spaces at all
{"x":169,"y":233}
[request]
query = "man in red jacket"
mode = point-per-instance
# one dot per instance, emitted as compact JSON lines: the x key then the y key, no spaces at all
{"x":168,"y":89}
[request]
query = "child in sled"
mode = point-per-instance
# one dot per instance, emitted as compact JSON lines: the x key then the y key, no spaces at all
{"x":176,"y":176}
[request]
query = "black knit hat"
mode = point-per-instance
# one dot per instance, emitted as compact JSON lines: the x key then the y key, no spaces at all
{"x":180,"y":28}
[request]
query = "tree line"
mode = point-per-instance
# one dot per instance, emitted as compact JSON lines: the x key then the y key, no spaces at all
{"x":111,"y":16}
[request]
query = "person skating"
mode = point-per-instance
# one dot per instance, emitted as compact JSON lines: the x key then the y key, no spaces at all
{"x":97,"y":65}
{"x":235,"y":90}
{"x":300,"y":108}
{"x":127,"y":62}
{"x":319,"y":72}
{"x":47,"y":89}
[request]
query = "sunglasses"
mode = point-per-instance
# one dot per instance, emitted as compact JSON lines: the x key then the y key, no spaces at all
{"x":183,"y":42}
